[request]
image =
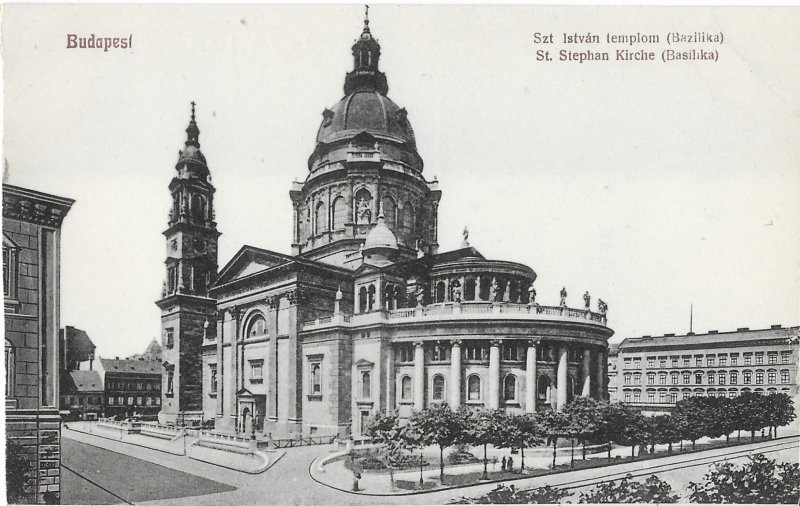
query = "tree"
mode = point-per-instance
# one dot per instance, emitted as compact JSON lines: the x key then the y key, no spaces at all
{"x":482,"y":428}
{"x":384,"y":428}
{"x":633,"y":431}
{"x":438,"y":425}
{"x":759,"y":481}
{"x":653,"y":490}
{"x":665,"y":430}
{"x":584,"y":414}
{"x":750,"y":412}
{"x":611,"y":418}
{"x":726,"y":417}
{"x":554,"y":425}
{"x":520,"y":432}
{"x":691,"y":414}
{"x":779,"y":410}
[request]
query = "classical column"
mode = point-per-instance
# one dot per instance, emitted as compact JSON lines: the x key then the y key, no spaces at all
{"x":602,"y":360}
{"x":455,"y":375}
{"x":220,"y":367}
{"x":494,"y":375}
{"x":233,"y":332}
{"x":530,"y":378}
{"x":561,"y":381}
{"x":419,"y":376}
{"x":391,"y":404}
{"x":587,"y":373}
{"x":477,"y":287}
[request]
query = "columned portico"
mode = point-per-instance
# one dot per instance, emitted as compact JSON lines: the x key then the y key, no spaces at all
{"x":419,"y":376}
{"x":587,"y":373}
{"x":530,"y":378}
{"x":494,"y":375}
{"x":561,"y":379}
{"x":455,"y":375}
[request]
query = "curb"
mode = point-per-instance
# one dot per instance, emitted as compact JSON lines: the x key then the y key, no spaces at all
{"x":523,"y":477}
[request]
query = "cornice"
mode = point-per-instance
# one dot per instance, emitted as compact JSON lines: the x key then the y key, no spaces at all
{"x":34,"y":207}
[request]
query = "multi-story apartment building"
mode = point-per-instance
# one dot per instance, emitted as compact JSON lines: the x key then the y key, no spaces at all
{"x":653,"y":373}
{"x":31,"y":295}
{"x":82,"y":395}
{"x":131,"y":387}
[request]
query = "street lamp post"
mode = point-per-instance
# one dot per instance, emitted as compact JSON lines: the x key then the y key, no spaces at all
{"x":420,"y":470}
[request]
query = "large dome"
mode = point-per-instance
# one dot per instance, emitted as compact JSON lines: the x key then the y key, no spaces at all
{"x":365,"y":110}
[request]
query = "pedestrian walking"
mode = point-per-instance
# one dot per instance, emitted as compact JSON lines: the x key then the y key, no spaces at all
{"x":503,"y":463}
{"x":510,"y":464}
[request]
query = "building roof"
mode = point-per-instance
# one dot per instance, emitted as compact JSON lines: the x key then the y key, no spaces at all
{"x":741,"y":337}
{"x":78,"y":344}
{"x":380,"y":237}
{"x":84,"y":381}
{"x":131,"y":366}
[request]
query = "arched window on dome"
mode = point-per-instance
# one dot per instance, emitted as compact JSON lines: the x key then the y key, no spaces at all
{"x":257,"y":326}
{"x":510,"y":388}
{"x":389,"y":211}
{"x":199,"y":207}
{"x":320,"y":219}
{"x":339,"y":213}
{"x":408,"y":218}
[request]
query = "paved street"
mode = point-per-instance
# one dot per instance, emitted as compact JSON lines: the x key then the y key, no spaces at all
{"x":289,"y":482}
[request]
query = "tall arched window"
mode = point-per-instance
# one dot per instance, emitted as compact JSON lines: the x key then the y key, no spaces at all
{"x":440,"y":291}
{"x":541,"y":387}
{"x":366,"y":386}
{"x":363,"y":299}
{"x":339,"y":213}
{"x":438,"y":388}
{"x":199,"y":207}
{"x":320,"y":218}
{"x":371,"y":298}
{"x":408,"y":218}
{"x":510,"y":388}
{"x":389,"y":211}
{"x":405,"y":388}
{"x":257,"y":326}
{"x":474,"y":388}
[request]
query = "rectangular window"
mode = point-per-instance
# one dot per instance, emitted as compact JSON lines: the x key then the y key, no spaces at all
{"x":138,"y":401}
{"x":772,"y":377}
{"x":723,"y":361}
{"x":711,"y":379}
{"x":772,"y":358}
{"x":722,"y":379}
{"x":686,"y":395}
{"x":662,"y":379}
{"x":674,"y":361}
{"x":627,"y":363}
{"x":785,"y":377}
{"x":213,"y":378}
{"x":759,"y":357}
{"x":698,"y":361}
{"x":169,"y":337}
{"x":627,"y":397}
{"x":662,"y":397}
{"x":256,"y":370}
{"x":315,"y":376}
{"x":651,"y":396}
{"x":627,"y":379}
{"x":759,"y":378}
{"x":662,"y":362}
{"x":686,"y":378}
{"x":734,"y":359}
{"x":510,"y":352}
{"x":637,"y":363}
{"x":651,"y":362}
{"x":406,"y":353}
{"x":686,"y":361}
{"x":698,"y":379}
{"x":110,"y":401}
{"x":786,"y":356}
{"x":734,"y":377}
{"x":651,"y":379}
{"x":637,"y":379}
{"x":637,"y":396}
{"x":130,"y":401}
{"x":148,"y":401}
{"x":673,"y":397}
{"x":9,"y":370}
{"x":746,"y":377}
{"x":158,"y":401}
{"x":710,"y":361}
{"x":748,"y":358}
{"x":674,"y":379}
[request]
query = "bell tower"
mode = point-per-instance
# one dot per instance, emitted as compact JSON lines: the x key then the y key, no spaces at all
{"x":187,"y":313}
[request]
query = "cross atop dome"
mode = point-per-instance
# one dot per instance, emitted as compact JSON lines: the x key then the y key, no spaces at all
{"x":192,"y":132}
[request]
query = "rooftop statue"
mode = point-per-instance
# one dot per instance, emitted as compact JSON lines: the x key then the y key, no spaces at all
{"x":563,"y":302}
{"x":587,"y":299}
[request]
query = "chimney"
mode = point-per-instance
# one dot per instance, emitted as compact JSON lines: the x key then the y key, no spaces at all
{"x":775,"y":327}
{"x":713,"y":331}
{"x":743,"y":329}
{"x":116,"y":358}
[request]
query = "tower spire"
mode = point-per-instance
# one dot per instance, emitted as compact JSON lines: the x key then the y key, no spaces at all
{"x":366,"y":19}
{"x":192,"y":132}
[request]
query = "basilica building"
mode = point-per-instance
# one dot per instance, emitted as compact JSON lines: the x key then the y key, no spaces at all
{"x":366,"y":314}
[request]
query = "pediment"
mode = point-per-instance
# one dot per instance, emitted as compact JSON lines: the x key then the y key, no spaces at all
{"x":244,"y":393}
{"x":364,"y":363}
{"x":249,"y":261}
{"x":9,"y":243}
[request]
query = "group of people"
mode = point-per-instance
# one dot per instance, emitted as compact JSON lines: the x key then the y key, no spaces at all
{"x":507,"y":463}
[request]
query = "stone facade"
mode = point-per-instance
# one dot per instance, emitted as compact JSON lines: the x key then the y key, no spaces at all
{"x":367,"y":314}
{"x":31,"y":288}
{"x":653,"y":373}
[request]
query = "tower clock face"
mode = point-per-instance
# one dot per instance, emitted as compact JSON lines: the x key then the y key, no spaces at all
{"x":199,"y":245}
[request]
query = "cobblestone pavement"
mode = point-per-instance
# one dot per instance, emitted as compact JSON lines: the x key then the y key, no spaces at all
{"x":289,"y":481}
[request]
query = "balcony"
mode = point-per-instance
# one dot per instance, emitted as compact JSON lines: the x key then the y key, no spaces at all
{"x":462,"y":311}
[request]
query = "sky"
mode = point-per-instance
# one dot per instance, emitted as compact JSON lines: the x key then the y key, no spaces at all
{"x":654,"y":186}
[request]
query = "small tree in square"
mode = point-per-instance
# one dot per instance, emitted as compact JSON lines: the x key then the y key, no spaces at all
{"x":439,"y":425}
{"x":554,"y":425}
{"x":482,"y":427}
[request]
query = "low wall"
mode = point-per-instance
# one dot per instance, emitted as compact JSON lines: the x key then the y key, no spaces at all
{"x":225,"y":442}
